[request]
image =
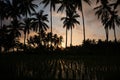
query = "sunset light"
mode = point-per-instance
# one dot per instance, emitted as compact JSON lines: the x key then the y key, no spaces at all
{"x":59,"y":39}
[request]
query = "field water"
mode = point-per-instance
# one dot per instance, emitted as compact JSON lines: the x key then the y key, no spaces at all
{"x":68,"y":68}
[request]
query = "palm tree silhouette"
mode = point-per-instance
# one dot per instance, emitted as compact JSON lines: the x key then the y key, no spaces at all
{"x":39,"y":23}
{"x":3,"y":7}
{"x":14,"y":28}
{"x":103,"y":13}
{"x":60,"y":41}
{"x":55,"y":40}
{"x":27,"y":26}
{"x":13,"y":34}
{"x":27,"y":7}
{"x":48,"y":39}
{"x":113,"y":21}
{"x":3,"y":36}
{"x":65,"y":4}
{"x":52,"y":4}
{"x":13,"y":9}
{"x":16,"y":8}
{"x":79,"y":6}
{"x":69,"y":22}
{"x":116,"y":4}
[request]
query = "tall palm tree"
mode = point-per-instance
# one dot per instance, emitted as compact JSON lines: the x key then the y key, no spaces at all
{"x":113,"y":21}
{"x":69,"y":22}
{"x":27,"y":26}
{"x":74,"y":4}
{"x":103,"y":13}
{"x":52,"y":4}
{"x":79,"y":6}
{"x":40,"y":22}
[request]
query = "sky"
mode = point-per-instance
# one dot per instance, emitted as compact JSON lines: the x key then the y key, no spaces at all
{"x":94,"y":28}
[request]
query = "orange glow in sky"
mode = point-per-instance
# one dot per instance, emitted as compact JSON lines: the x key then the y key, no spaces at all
{"x":93,"y":26}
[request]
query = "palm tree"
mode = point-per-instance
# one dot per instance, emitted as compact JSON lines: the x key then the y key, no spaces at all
{"x":13,"y":9}
{"x":69,"y":22}
{"x":52,"y":4}
{"x":13,"y":32}
{"x":103,"y":13}
{"x":3,"y":36}
{"x":14,"y":29}
{"x":117,"y":3}
{"x":79,"y":6}
{"x":48,"y":39}
{"x":27,"y":26}
{"x":16,"y":8}
{"x":66,"y":4}
{"x":60,"y":41}
{"x":74,"y":4}
{"x":27,"y":7}
{"x":113,"y":21}
{"x":2,"y":12}
{"x":55,"y":40}
{"x":39,"y":23}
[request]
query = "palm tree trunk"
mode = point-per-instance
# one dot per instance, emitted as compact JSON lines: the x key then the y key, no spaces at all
{"x":0,"y":22}
{"x":39,"y":33}
{"x":66,"y":38}
{"x":115,"y":34}
{"x":24,"y":41}
{"x":107,"y":34}
{"x":51,"y":22}
{"x":27,"y":36}
{"x":71,"y":38}
{"x":83,"y":23}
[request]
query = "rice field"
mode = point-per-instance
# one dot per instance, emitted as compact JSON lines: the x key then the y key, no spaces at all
{"x":36,"y":67}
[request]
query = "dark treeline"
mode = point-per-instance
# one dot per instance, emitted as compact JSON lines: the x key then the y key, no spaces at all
{"x":24,"y":18}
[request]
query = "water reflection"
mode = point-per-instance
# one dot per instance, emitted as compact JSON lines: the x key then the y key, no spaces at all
{"x":67,"y":69}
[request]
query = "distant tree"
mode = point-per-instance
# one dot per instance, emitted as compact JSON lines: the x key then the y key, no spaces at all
{"x":60,"y":41}
{"x":48,"y":39}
